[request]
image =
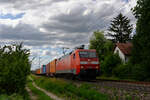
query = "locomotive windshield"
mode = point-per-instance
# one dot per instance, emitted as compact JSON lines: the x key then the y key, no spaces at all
{"x":87,"y":54}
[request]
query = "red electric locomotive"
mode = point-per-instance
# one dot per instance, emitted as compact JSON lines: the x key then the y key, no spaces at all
{"x":81,"y":63}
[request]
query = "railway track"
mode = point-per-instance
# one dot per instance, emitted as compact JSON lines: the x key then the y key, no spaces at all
{"x":143,"y":87}
{"x":125,"y":81}
{"x":121,"y":88}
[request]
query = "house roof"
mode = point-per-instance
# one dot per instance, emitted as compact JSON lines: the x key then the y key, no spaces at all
{"x":125,"y":48}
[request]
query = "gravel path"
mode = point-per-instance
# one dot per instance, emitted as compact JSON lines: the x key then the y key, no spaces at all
{"x":51,"y":95}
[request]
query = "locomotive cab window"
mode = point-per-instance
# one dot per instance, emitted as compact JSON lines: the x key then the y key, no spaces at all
{"x":87,"y":54}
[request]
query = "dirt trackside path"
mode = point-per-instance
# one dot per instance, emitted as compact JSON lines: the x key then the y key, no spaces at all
{"x":51,"y":95}
{"x":32,"y":97}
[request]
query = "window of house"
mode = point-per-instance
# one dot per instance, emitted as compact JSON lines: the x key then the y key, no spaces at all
{"x":126,"y":59}
{"x":117,"y":52}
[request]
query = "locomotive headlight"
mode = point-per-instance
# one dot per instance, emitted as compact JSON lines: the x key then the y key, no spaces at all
{"x":82,"y":67}
{"x":94,"y":62}
{"x":97,"y":67}
{"x":83,"y":62}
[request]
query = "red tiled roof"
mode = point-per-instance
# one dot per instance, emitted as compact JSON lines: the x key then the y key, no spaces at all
{"x":125,"y":47}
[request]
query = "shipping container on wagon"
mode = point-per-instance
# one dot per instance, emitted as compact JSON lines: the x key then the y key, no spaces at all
{"x":48,"y":69}
{"x":53,"y":67}
{"x":37,"y":71}
{"x":43,"y":69}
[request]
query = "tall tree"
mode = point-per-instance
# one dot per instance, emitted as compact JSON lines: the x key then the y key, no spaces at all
{"x":101,"y":44}
{"x":141,"y":44}
{"x":14,"y":68}
{"x":120,"y":29}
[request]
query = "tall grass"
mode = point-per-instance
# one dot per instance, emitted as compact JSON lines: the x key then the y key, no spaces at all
{"x":15,"y":96}
{"x":62,"y":88}
{"x":11,"y":97}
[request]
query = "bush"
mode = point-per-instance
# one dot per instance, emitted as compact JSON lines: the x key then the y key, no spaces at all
{"x":123,"y":71}
{"x":110,"y":63}
{"x":130,"y":71}
{"x":140,"y":73}
{"x":14,"y":68}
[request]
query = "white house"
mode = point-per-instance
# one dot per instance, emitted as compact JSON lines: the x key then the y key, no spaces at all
{"x":123,"y":50}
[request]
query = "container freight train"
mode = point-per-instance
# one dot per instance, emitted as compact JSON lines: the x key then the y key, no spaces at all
{"x":81,"y":63}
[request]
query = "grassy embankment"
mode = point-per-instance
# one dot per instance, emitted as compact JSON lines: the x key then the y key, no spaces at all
{"x":38,"y":93}
{"x":69,"y":90}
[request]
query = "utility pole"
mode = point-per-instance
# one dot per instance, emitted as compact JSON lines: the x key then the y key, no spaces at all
{"x":39,"y":61}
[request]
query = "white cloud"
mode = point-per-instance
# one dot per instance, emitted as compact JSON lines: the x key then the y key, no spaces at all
{"x":58,"y":23}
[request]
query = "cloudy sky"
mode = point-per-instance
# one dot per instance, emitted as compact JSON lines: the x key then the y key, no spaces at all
{"x":45,"y":26}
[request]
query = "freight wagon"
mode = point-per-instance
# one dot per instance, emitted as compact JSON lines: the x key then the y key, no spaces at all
{"x":43,"y":69}
{"x":37,"y":71}
{"x":51,"y":68}
{"x":48,"y":69}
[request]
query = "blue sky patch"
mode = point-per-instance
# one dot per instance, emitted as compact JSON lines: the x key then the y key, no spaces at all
{"x":126,"y":0}
{"x":10,"y":16}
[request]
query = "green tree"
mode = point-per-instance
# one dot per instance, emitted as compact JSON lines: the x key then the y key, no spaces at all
{"x":14,"y":68}
{"x":120,"y":29}
{"x":108,"y":47}
{"x":101,"y":44}
{"x":141,"y":44}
